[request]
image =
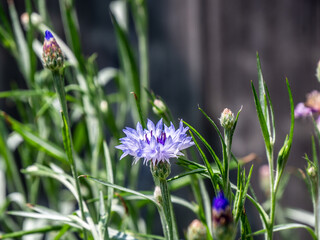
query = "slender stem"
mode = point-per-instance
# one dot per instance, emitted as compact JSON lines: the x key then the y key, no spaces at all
{"x":316,"y":210}
{"x":272,"y":194}
{"x":227,"y":139}
{"x":167,"y":207}
{"x":58,"y":83}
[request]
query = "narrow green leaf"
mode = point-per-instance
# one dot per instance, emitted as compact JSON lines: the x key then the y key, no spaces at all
{"x":288,"y":226}
{"x":23,"y":58}
{"x":21,"y":94}
{"x":120,"y":188}
{"x":11,"y":166}
{"x":71,"y":28}
{"x":207,"y":164}
{"x":34,"y":140}
{"x":140,"y":18}
{"x":262,"y":120}
{"x":245,"y":227}
{"x":20,"y":234}
{"x":215,"y":127}
{"x":213,"y":154}
{"x":285,"y":150}
{"x":109,"y":178}
{"x":273,"y":135}
{"x":300,"y":215}
{"x":187,"y":174}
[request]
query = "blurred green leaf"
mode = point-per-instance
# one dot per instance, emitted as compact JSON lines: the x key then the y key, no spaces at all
{"x":288,"y":226}
{"x":33,"y":139}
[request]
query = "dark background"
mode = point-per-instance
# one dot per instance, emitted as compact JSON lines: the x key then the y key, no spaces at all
{"x":204,"y":52}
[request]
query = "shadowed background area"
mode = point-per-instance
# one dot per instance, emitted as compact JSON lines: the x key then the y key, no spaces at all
{"x":204,"y":53}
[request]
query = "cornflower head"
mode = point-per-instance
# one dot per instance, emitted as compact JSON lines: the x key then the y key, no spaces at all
{"x":52,"y":55}
{"x":311,"y":107}
{"x":156,"y":144}
{"x":223,"y":226}
{"x":227,"y":119}
{"x":196,"y":231}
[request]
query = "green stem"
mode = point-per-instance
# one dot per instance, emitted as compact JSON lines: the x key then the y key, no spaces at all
{"x":58,"y":83}
{"x":227,"y":137}
{"x":316,"y":209}
{"x":160,"y":172}
{"x":272,"y":194}
{"x":167,"y":207}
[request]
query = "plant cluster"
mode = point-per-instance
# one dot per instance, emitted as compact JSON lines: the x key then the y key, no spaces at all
{"x":61,"y":174}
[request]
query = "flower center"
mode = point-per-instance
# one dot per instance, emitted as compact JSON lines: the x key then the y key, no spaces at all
{"x":161,"y":139}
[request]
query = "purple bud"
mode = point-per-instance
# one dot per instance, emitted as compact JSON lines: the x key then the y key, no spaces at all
{"x":223,"y":226}
{"x":52,"y":56}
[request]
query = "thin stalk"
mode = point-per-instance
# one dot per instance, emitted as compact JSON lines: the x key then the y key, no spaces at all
{"x":317,"y":209}
{"x":167,"y":207}
{"x":272,"y":194}
{"x":58,"y":83}
{"x":227,"y":139}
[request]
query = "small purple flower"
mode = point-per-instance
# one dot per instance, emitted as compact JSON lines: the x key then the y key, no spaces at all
{"x":302,"y":111}
{"x":157,"y":143}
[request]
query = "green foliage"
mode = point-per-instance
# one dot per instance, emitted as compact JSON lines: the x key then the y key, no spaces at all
{"x":67,"y":150}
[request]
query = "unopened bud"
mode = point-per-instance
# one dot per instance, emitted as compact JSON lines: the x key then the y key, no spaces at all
{"x":223,"y":226}
{"x":53,"y":58}
{"x":36,"y":19}
{"x":227,"y":119}
{"x":160,"y":170}
{"x":196,"y":231}
{"x":159,"y":107}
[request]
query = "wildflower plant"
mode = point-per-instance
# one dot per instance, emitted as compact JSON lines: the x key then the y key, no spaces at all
{"x":63,"y":151}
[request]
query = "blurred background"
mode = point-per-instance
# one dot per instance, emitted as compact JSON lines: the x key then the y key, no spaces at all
{"x":204,"y":53}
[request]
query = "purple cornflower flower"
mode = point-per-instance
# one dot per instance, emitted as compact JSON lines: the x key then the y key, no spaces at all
{"x":158,"y":143}
{"x":309,"y":108}
{"x":52,"y":56}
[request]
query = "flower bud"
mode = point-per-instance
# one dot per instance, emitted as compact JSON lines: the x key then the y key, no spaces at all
{"x":223,"y":226}
{"x":196,"y":231}
{"x":160,"y":170}
{"x":227,"y":119}
{"x":36,"y":19}
{"x":159,"y":107}
{"x":52,"y":56}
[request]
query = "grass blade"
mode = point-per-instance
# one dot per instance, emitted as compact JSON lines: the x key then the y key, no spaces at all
{"x":34,"y":140}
